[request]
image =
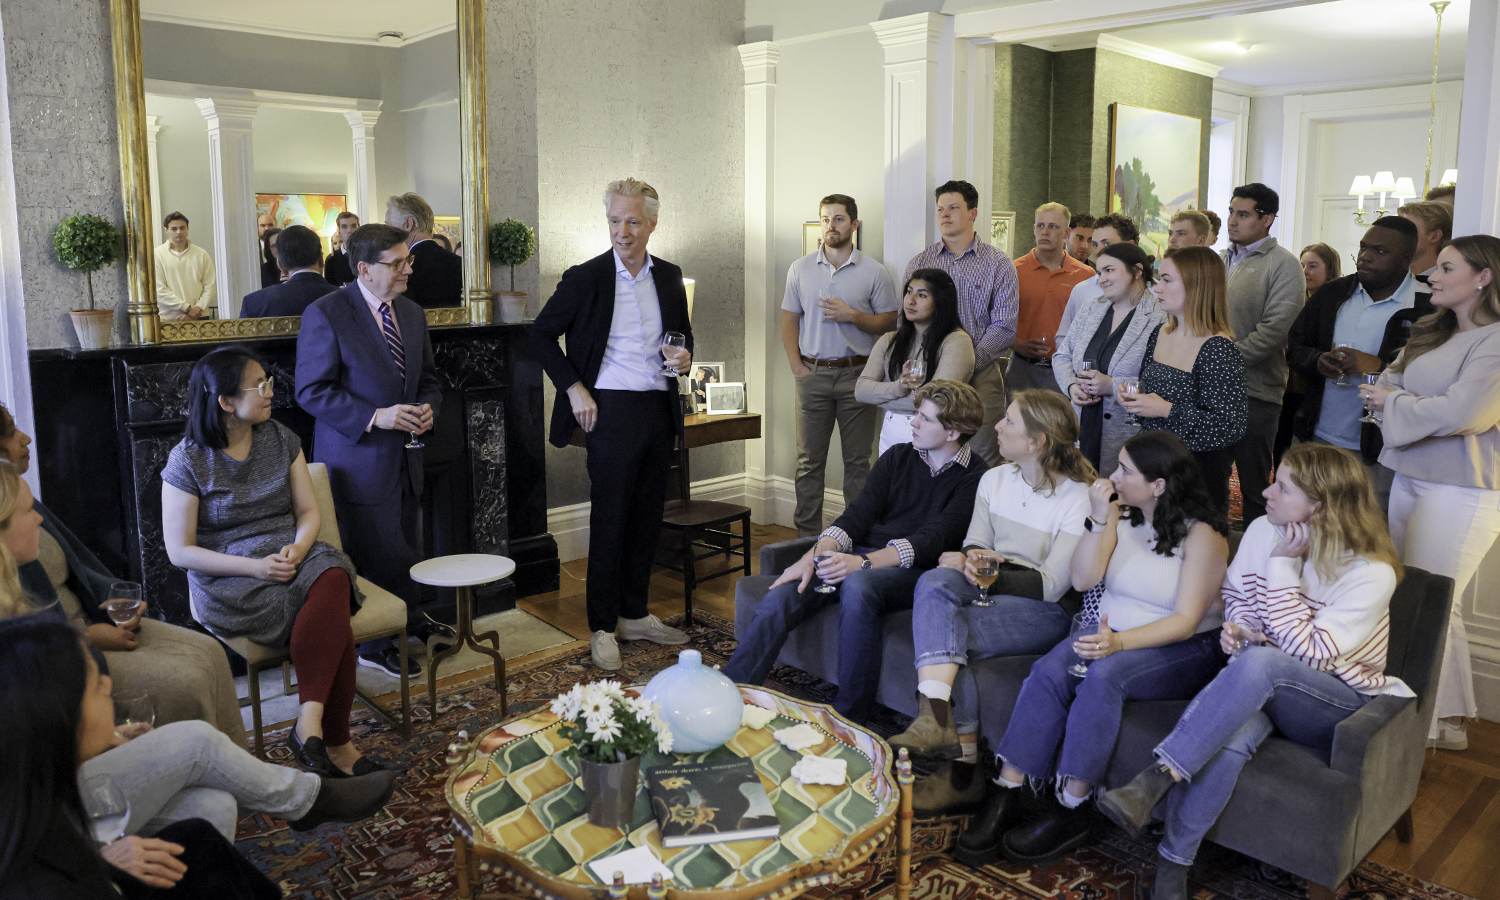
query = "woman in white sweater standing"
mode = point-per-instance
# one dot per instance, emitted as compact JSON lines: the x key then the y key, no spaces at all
{"x":1307,"y":608}
{"x":1439,"y":403}
{"x":929,"y":331}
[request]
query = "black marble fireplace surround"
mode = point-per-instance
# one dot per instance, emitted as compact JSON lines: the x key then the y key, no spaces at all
{"x":106,"y":420}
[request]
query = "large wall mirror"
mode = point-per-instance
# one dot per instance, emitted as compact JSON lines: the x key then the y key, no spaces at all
{"x":242,"y":118}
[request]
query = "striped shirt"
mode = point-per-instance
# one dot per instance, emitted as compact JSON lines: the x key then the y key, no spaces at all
{"x":988,"y":294}
{"x":1340,"y":626}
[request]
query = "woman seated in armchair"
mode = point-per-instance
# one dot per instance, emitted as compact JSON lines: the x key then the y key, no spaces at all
{"x":1028,"y":516}
{"x":1157,"y":639}
{"x":185,"y":673}
{"x":1307,"y":610}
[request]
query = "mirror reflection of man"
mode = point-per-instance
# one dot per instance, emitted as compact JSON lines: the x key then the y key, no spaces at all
{"x":186,"y":285}
{"x":299,"y":253}
{"x":437,"y":275}
{"x":336,"y":268}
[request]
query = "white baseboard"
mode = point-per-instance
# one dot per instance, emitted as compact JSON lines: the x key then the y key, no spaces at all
{"x":1486,"y":663}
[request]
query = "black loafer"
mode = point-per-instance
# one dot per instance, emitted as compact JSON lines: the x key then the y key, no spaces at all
{"x":1056,"y":831}
{"x":347,"y":800}
{"x":313,"y":755}
{"x":366,"y":766}
{"x":979,"y":845}
{"x":389,"y":662}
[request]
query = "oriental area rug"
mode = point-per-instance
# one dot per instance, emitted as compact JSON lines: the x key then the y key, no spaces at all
{"x":406,"y":852}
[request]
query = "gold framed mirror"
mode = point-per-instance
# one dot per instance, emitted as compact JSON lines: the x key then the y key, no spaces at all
{"x":227,"y":106}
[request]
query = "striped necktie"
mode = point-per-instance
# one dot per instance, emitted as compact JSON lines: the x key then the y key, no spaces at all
{"x":392,"y":337}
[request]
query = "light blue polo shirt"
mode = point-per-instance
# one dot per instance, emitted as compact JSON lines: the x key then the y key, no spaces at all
{"x":861,"y":282}
{"x":1360,"y":322}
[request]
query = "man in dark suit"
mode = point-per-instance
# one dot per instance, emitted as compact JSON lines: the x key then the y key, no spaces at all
{"x":614,"y":310}
{"x":299,"y":250}
{"x":365,"y":371}
{"x":437,"y":275}
{"x":337,"y":271}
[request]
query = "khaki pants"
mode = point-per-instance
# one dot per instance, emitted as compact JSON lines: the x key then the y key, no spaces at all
{"x":990,"y":383}
{"x":826,"y":397}
{"x":1023,"y":375}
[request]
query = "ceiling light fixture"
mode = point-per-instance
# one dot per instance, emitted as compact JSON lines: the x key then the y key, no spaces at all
{"x":389,"y":38}
{"x":1244,"y":46}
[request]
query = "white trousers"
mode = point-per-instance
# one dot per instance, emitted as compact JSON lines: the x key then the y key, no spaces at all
{"x":1448,"y":531}
{"x":895,"y":428}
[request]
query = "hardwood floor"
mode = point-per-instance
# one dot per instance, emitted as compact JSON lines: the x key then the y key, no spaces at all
{"x":1456,"y":815}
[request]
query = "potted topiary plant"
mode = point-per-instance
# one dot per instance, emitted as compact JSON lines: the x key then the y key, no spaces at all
{"x":512,"y":243}
{"x":88,"y":243}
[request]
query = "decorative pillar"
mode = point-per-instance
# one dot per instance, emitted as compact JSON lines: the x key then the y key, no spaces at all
{"x":130,"y":107}
{"x":231,"y":165}
{"x":911,"y":63}
{"x":474,"y":161}
{"x":155,"y":169}
{"x":762,"y":309}
{"x":362,"y":123}
{"x":1477,"y":206}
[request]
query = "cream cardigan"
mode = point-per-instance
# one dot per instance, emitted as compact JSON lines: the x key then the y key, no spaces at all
{"x":955,"y":362}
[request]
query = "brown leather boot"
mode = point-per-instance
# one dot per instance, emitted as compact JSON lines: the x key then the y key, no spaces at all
{"x":956,"y":788}
{"x":932,"y":734}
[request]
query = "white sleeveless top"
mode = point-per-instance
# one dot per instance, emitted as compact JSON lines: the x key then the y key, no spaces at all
{"x":1140,"y":585}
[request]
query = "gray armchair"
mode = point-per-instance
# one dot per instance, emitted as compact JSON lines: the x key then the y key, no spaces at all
{"x":1294,"y":808}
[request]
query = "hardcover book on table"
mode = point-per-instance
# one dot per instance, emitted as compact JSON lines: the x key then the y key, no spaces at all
{"x":710,"y":803}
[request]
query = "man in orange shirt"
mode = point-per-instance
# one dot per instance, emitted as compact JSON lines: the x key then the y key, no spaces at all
{"x":1047,"y":276}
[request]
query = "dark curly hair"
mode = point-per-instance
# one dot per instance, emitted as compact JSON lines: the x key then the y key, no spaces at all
{"x":1123,"y":225}
{"x":1162,"y":454}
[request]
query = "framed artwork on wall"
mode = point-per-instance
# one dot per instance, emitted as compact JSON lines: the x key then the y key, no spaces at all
{"x":320,"y":212}
{"x":724,"y":399}
{"x":1002,"y":231}
{"x":1153,"y":168}
{"x":812,"y":237}
{"x":450,"y":227}
{"x":703,"y":375}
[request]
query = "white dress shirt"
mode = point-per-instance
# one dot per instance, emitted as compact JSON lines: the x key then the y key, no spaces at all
{"x":632,"y":355}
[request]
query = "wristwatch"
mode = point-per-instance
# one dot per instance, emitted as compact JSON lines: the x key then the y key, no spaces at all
{"x":864,"y":562}
{"x":1090,"y":522}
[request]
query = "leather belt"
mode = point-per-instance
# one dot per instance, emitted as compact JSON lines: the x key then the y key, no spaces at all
{"x":845,"y":363}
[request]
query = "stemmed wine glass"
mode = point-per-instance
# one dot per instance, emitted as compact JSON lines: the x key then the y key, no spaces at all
{"x":822,"y":552}
{"x":107,"y":808}
{"x":672,"y":340}
{"x":986,"y":570}
{"x":1369,"y":415}
{"x":124,"y":601}
{"x":1125,"y":386}
{"x":914,"y":370}
{"x":1084,"y":624}
{"x":1343,"y":379}
{"x":413,"y":443}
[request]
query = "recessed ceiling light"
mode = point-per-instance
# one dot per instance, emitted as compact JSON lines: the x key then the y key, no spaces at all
{"x":389,"y":38}
{"x":1243,"y":46}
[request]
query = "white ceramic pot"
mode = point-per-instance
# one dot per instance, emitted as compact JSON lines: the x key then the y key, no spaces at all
{"x":512,"y":306}
{"x":93,"y":327}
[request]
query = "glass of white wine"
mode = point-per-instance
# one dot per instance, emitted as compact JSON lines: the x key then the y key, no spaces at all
{"x":986,"y":570}
{"x":1085,"y":624}
{"x":123,"y":602}
{"x":1343,"y":379}
{"x":670,"y":342}
{"x":1125,"y":386}
{"x":1369,"y":416}
{"x":107,"y":808}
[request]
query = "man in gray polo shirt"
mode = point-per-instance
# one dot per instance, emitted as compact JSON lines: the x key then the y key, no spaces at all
{"x":838,"y":301}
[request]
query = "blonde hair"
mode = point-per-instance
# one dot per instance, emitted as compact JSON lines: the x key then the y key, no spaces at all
{"x":1433,"y":215}
{"x":959,"y":406}
{"x":11,"y":594}
{"x":1480,"y":252}
{"x":1054,"y":207}
{"x":1206,"y":307}
{"x":1346,"y":522}
{"x":1048,"y":414}
{"x":412,"y":206}
{"x":1201,"y":226}
{"x":630,"y":187}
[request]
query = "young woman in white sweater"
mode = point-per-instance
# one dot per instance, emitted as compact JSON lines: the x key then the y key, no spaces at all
{"x":1307,"y":608}
{"x":1440,"y":409}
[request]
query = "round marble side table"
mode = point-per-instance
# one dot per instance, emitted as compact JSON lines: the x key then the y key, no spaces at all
{"x":463,"y":571}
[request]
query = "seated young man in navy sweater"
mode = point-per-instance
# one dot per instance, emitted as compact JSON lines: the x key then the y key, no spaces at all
{"x":916,"y":503}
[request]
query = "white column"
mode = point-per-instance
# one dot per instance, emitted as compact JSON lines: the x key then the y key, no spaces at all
{"x":1477,"y":206}
{"x":762,"y":311}
{"x":154,"y":167}
{"x":231,"y":165}
{"x":911,"y":80}
{"x":362,"y":123}
{"x":974,"y":123}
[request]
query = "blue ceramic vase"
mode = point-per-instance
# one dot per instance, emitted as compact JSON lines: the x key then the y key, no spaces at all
{"x":699,"y":703}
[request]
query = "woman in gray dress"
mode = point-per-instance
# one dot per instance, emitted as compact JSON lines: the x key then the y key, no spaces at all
{"x":238,"y":512}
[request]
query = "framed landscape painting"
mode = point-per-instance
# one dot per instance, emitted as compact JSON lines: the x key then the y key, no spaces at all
{"x":1153,"y":166}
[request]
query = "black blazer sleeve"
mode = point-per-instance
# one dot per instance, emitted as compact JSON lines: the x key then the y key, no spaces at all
{"x":560,"y":316}
{"x":1302,"y":347}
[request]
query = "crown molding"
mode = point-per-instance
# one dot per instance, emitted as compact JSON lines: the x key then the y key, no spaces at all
{"x":1042,"y":20}
{"x":1328,"y":87}
{"x":760,"y":53}
{"x":1154,"y":55}
{"x":909,"y":38}
{"x":311,"y":102}
{"x":297,"y":34}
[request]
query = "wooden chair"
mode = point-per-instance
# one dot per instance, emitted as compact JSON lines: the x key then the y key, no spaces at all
{"x":382,"y":615}
{"x":704,"y":529}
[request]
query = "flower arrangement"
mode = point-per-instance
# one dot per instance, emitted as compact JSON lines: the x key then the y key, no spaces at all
{"x":606,"y":725}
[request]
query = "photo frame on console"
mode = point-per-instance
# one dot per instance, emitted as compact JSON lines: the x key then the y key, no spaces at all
{"x":703,"y":374}
{"x":725,"y":399}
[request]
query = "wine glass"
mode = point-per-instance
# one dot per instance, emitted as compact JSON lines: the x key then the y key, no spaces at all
{"x":822,"y":552}
{"x":1125,"y":386}
{"x":107,"y":808}
{"x":1369,"y":415}
{"x":123,"y":602}
{"x":134,"y":708}
{"x":914,"y":370}
{"x":1343,"y":379}
{"x":672,"y":340}
{"x":986,"y":570}
{"x":413,"y":443}
{"x":1084,"y":625}
{"x":1088,"y":366}
{"x":1238,"y":639}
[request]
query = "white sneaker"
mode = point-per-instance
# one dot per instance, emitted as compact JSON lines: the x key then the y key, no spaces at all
{"x":1450,"y":737}
{"x":605,"y":652}
{"x":651,"y":629}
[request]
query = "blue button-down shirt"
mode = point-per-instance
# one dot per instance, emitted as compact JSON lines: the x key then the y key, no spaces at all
{"x":632,"y":355}
{"x":1360,"y":323}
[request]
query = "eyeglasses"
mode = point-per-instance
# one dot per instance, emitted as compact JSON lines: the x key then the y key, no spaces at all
{"x":405,"y":262}
{"x":264,"y":388}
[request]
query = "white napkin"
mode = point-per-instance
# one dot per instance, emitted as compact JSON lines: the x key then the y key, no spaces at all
{"x":798,"y":737}
{"x":819,"y":770}
{"x":756,"y":716}
{"x":638,"y":864}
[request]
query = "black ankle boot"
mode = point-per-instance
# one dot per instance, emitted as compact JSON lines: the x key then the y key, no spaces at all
{"x":1130,"y":806}
{"x":1171,"y":880}
{"x":1052,"y":834}
{"x":979,"y":845}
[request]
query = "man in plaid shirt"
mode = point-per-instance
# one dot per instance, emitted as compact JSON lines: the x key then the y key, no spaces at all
{"x":988,"y":300}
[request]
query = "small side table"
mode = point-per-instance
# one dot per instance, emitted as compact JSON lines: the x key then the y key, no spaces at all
{"x":464,"y":571}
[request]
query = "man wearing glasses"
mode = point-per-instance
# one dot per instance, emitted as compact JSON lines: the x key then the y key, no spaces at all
{"x":365,"y":371}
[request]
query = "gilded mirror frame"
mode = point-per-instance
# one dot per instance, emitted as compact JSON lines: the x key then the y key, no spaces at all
{"x":146,"y":326}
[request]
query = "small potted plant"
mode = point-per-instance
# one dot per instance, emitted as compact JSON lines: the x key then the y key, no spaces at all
{"x":610,"y":730}
{"x":88,"y":243}
{"x":512,"y":243}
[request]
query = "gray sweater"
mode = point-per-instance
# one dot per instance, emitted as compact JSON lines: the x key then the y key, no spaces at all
{"x":1266,"y":292}
{"x":1442,"y":423}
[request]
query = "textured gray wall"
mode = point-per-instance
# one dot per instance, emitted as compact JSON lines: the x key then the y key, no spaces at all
{"x":1073,"y":130}
{"x":1023,"y":126}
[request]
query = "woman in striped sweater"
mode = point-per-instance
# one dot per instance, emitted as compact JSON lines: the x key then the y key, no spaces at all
{"x":1307,"y":610}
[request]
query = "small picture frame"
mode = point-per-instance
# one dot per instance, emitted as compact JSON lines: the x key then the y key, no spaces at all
{"x":1002,"y":231}
{"x":703,"y":374}
{"x":685,"y":391}
{"x":812,"y":237}
{"x":726,"y":399}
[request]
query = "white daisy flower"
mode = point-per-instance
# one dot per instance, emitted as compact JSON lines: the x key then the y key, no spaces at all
{"x":664,"y":739}
{"x":612,"y":689}
{"x":567,"y":705}
{"x":603,"y":729}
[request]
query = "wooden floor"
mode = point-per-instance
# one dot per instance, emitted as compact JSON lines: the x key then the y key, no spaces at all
{"x":1456,"y":814}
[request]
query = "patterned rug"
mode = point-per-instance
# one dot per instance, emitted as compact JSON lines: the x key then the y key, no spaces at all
{"x":407,"y":853}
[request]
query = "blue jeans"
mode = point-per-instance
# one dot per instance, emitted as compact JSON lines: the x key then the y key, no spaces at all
{"x":864,"y":598}
{"x":1082,"y":715}
{"x":948,"y":628}
{"x":1262,"y":691}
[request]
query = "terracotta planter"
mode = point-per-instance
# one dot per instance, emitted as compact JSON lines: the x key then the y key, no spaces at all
{"x":93,"y":327}
{"x":610,"y":789}
{"x":512,"y":305}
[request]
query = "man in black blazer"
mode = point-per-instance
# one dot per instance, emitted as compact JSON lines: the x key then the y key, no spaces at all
{"x":614,"y":310}
{"x":299,"y":250}
{"x":336,"y":271}
{"x":365,"y":371}
{"x":437,"y":275}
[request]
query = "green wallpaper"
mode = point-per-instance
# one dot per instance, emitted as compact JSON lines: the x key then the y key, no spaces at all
{"x":1072,"y":130}
{"x":1023,"y":117}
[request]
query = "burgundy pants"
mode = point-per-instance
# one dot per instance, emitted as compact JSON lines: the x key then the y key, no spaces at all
{"x":323,"y":653}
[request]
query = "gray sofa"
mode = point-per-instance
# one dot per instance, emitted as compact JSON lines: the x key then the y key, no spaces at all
{"x":1313,"y":816}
